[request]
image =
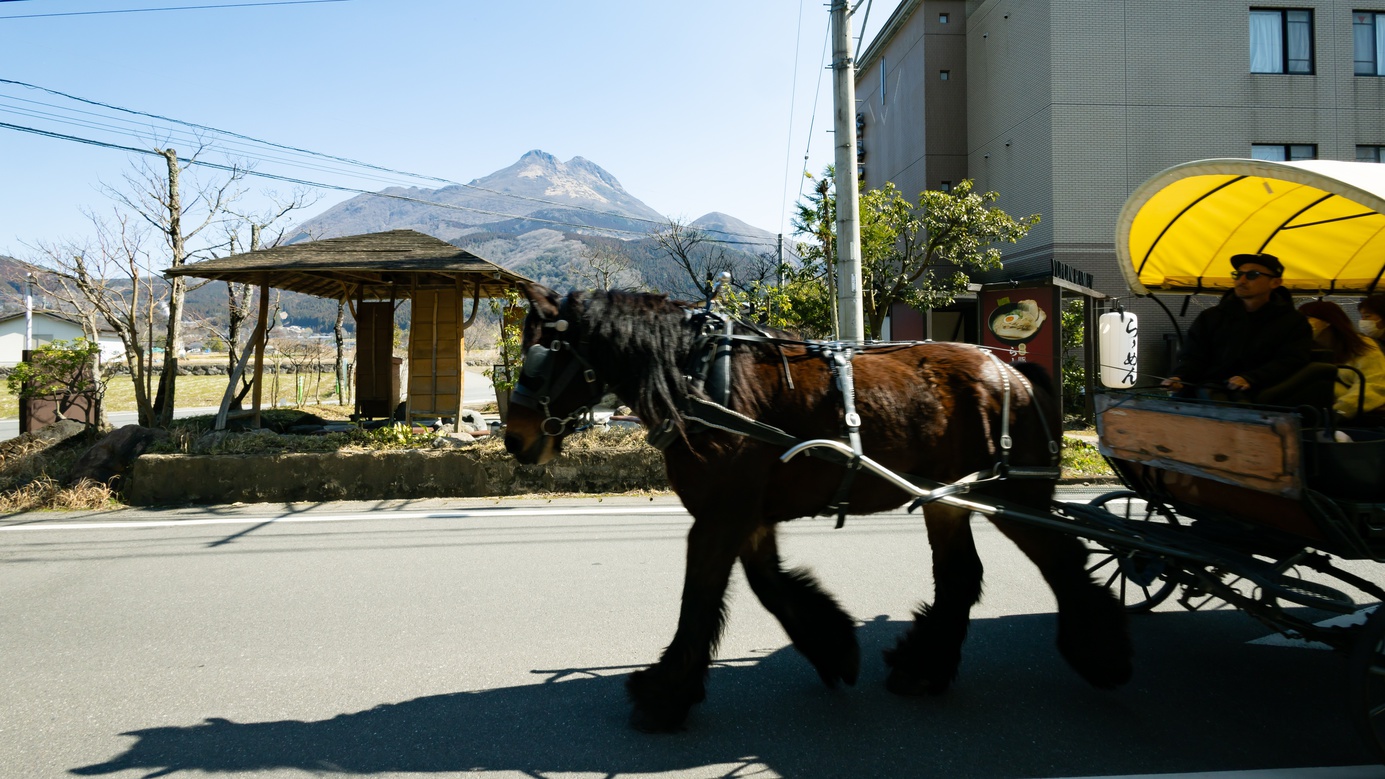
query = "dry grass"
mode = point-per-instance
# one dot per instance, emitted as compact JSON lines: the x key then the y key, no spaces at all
{"x":45,"y":493}
{"x":32,"y":473}
{"x":201,"y":392}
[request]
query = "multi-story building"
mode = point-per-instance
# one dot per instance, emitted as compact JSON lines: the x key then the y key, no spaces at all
{"x":1064,"y":107}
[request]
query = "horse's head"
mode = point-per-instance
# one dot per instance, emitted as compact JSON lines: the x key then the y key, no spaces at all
{"x":557,"y":384}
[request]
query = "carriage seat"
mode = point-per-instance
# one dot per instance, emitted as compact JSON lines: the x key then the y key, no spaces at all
{"x":1312,"y":385}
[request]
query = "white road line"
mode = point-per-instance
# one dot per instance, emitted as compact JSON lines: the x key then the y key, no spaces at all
{"x":1339,"y":772}
{"x":380,"y":515}
{"x":1298,"y":642}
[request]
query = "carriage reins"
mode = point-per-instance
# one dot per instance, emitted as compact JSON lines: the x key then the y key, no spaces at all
{"x":708,"y":371}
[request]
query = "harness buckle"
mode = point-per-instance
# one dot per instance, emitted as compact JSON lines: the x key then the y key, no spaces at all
{"x":853,"y":419}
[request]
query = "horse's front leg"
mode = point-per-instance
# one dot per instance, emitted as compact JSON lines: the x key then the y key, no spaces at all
{"x":815,"y":622}
{"x":926,"y":658}
{"x":663,"y":693}
{"x":1092,"y":632}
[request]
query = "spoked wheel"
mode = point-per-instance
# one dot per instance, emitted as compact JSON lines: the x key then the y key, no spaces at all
{"x":1134,"y":577}
{"x":1366,"y":683}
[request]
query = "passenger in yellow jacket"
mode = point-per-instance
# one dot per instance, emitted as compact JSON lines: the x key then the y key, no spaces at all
{"x":1332,"y":330}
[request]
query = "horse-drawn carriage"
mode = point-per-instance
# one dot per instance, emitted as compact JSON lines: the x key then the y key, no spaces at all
{"x":1245,"y":504}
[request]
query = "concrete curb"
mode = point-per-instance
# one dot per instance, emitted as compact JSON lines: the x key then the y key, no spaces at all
{"x":163,"y":480}
{"x":159,"y":480}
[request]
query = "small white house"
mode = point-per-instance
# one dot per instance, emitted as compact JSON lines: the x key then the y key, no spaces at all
{"x":49,"y":327}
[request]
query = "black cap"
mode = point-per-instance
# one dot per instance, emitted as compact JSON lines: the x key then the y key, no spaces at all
{"x":1268,"y":260}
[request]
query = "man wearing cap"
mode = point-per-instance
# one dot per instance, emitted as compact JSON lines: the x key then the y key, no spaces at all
{"x":1252,"y":340}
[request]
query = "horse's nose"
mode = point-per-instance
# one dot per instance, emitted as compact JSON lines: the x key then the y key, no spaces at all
{"x":513,"y":444}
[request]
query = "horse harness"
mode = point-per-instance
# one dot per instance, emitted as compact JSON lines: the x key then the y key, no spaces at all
{"x":709,"y":370}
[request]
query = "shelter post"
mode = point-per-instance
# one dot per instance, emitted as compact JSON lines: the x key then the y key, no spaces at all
{"x":461,"y":352}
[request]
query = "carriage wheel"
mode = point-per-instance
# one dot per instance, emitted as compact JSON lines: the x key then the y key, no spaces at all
{"x":1135,"y":578}
{"x":1366,"y":682}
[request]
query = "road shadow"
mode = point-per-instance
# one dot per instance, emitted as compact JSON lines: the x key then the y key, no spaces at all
{"x":1202,"y":700}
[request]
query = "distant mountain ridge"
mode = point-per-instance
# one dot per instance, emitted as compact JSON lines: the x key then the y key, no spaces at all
{"x":537,"y":191}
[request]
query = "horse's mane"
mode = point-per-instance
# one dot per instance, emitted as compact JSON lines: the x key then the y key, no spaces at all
{"x":642,"y":343}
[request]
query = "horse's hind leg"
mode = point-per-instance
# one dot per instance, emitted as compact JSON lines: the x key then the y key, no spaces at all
{"x":664,"y":692}
{"x":926,"y":658}
{"x":818,"y":627}
{"x":1092,"y":634}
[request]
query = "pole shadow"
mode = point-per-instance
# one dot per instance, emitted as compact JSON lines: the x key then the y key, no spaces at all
{"x":1202,"y":700}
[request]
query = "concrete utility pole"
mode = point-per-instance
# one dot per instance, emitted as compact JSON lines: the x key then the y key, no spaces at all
{"x":851,"y":323}
{"x":28,"y":311}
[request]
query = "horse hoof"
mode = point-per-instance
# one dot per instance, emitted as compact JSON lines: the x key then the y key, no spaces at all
{"x":842,"y":664}
{"x":659,"y":709}
{"x":908,"y":683}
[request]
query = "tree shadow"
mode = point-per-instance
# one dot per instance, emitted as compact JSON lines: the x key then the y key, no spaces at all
{"x":1202,"y":700}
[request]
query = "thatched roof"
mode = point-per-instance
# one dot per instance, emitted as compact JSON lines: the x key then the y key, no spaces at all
{"x":373,"y":266}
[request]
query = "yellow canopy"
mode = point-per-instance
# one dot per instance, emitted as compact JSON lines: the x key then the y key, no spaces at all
{"x":1325,"y":220}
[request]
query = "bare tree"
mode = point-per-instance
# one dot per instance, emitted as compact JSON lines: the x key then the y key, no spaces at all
{"x":267,"y":229}
{"x":339,"y":367}
{"x":156,"y":196}
{"x":113,"y":278}
{"x":604,"y":267}
{"x":697,"y":258}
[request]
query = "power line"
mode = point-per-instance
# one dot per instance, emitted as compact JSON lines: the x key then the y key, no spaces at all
{"x":170,"y":8}
{"x":357,"y":163}
{"x":340,"y":188}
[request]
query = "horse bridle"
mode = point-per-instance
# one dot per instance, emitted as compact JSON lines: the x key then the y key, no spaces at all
{"x":540,"y":381}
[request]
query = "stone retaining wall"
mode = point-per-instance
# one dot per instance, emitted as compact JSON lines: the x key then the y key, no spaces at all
{"x":156,"y":480}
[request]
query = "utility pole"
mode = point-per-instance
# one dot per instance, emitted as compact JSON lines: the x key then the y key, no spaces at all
{"x":28,"y":311}
{"x":851,"y":323}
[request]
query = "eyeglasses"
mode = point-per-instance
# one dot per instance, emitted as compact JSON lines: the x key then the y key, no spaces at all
{"x":1251,"y":274}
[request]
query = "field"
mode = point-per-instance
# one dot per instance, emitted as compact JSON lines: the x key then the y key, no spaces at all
{"x":201,"y":392}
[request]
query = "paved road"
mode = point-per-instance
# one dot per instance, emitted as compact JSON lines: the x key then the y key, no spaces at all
{"x":491,"y":638}
{"x":477,"y":391}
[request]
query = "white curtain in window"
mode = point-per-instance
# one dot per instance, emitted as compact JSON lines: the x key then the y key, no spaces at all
{"x":1271,"y":152}
{"x":1363,"y":42}
{"x":1266,"y":46}
{"x":1300,"y":51}
{"x":1379,"y":46}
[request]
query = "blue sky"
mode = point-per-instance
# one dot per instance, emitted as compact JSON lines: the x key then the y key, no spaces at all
{"x":694,"y":107}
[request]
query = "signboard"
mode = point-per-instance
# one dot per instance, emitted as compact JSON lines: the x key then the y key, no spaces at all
{"x":1022,"y":324}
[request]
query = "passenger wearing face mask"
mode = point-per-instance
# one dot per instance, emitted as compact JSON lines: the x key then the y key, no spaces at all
{"x":1372,"y":322}
{"x":1332,"y":331}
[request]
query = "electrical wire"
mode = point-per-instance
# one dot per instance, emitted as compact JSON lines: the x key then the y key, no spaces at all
{"x":813,"y":120}
{"x":793,"y":98}
{"x":755,"y":240}
{"x":171,"y":8}
{"x":341,"y":188}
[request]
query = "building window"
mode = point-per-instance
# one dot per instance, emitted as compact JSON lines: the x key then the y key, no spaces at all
{"x":944,"y":75}
{"x":1283,"y":152}
{"x":946,"y":186}
{"x":942,"y":18}
{"x":1281,"y":40}
{"x":1368,"y":39}
{"x":1370,"y":154}
{"x":883,"y":79}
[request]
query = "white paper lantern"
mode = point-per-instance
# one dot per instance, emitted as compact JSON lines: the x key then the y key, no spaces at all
{"x":1119,"y":352}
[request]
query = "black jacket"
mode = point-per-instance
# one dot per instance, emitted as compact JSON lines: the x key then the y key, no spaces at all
{"x":1264,"y":347}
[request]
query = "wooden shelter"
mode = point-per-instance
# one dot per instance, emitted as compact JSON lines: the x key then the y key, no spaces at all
{"x":372,"y":273}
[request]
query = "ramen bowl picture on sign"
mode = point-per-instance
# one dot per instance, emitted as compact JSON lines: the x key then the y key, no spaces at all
{"x":1016,"y":322}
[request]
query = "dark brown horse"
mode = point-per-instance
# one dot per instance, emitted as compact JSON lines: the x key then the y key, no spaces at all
{"x":929,"y":410}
